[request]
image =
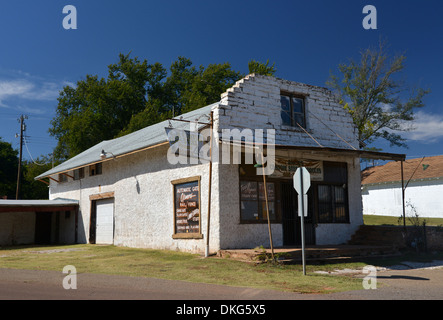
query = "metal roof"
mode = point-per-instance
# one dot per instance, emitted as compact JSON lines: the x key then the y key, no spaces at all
{"x":38,"y":203}
{"x":138,"y":140}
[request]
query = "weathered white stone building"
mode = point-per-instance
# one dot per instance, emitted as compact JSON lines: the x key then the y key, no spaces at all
{"x":130,"y":194}
{"x":423,"y":182}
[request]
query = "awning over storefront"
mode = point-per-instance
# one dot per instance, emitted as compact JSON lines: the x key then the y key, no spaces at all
{"x":355,"y":153}
{"x":363,"y":154}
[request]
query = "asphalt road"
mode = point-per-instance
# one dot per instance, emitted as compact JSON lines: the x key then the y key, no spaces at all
{"x":411,"y":284}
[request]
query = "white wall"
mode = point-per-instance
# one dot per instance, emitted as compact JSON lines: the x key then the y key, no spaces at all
{"x":17,"y":228}
{"x":386,"y":199}
{"x":143,"y":206}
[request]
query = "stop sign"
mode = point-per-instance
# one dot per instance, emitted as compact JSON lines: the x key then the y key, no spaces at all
{"x":302,"y":180}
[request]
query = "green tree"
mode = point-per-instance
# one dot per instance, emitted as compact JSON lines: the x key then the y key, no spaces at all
{"x":207,"y":86}
{"x":376,"y":100}
{"x":32,"y":189}
{"x":186,"y":88}
{"x":8,"y":170}
{"x":134,"y":95}
{"x":98,"y":109}
{"x":262,"y":68}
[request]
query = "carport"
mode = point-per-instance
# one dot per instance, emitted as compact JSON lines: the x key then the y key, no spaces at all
{"x":38,"y":222}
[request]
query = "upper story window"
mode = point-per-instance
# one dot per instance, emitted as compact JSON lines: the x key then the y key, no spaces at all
{"x":95,"y":169}
{"x":293,"y":110}
{"x":79,"y":174}
{"x":62,"y":177}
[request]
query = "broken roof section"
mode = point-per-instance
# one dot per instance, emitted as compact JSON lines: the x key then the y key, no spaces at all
{"x":414,"y":169}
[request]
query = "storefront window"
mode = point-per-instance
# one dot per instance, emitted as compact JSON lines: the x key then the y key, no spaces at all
{"x":332,"y":194}
{"x":253,"y":201}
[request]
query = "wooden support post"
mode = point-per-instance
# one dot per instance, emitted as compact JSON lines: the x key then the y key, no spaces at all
{"x":76,"y":226}
{"x":403,"y":195}
{"x":267,"y":206}
{"x":210,"y":185}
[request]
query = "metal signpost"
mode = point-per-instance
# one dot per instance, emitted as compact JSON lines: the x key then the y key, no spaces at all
{"x":302,"y":183}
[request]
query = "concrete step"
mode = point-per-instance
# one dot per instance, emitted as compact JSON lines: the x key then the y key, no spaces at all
{"x":378,"y":235}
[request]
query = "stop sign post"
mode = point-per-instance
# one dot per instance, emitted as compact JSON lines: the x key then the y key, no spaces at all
{"x":302,"y":183}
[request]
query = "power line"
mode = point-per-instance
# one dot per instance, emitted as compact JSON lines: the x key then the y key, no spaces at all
{"x":32,"y":159}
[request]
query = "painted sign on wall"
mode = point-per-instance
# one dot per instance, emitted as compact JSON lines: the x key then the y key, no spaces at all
{"x":285,"y":168}
{"x":187,"y":207}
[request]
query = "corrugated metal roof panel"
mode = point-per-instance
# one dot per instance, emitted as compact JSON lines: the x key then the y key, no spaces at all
{"x":137,"y":140}
{"x":36,"y":203}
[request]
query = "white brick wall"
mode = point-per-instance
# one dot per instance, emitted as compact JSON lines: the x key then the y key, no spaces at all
{"x":143,"y":216}
{"x":254,"y":102}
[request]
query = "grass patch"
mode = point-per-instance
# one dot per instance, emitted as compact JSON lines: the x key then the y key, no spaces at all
{"x":177,"y":266}
{"x":374,"y":220}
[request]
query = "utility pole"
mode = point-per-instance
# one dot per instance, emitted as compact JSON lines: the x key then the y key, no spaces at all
{"x":22,"y":129}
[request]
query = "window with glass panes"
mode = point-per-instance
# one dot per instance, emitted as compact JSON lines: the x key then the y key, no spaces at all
{"x":332,"y":194}
{"x":253,"y":201}
{"x":292,"y":110}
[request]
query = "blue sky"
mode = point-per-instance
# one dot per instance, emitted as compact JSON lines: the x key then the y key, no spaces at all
{"x":305,"y":39}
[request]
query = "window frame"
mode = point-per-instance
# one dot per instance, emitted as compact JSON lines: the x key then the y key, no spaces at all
{"x":79,"y":173}
{"x":62,"y":178}
{"x":95,"y":169}
{"x":247,"y":176}
{"x":292,"y":114}
{"x":332,"y":183}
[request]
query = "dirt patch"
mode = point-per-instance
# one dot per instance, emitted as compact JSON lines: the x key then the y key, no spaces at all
{"x":56,"y":250}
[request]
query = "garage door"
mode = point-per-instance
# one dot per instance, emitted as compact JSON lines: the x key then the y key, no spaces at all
{"x":105,"y":222}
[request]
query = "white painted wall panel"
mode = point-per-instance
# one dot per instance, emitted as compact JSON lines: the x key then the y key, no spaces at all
{"x":385,"y":199}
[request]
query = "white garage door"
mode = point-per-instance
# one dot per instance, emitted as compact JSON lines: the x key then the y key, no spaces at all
{"x":105,"y":222}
